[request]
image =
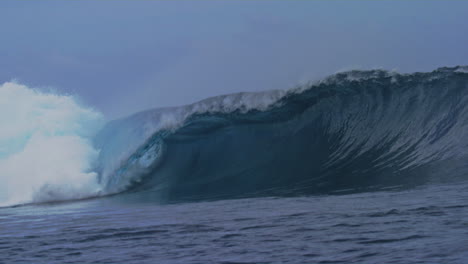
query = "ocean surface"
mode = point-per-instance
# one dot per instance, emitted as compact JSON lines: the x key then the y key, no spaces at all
{"x":360,"y":167}
{"x":424,"y":225}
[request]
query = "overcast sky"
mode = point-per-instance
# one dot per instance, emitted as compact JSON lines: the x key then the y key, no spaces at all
{"x":126,"y":56}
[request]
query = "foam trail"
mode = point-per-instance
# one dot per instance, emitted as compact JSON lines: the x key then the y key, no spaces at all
{"x":45,"y":148}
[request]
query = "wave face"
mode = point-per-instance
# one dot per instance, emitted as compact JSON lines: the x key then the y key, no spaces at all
{"x":46,"y":152}
{"x":355,"y":131}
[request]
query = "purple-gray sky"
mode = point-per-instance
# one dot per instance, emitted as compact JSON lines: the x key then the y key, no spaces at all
{"x":126,"y":56}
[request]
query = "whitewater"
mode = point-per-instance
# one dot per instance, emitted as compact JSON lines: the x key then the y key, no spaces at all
{"x":46,"y":152}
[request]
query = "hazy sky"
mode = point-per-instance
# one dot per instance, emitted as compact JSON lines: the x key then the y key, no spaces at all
{"x":125,"y":56}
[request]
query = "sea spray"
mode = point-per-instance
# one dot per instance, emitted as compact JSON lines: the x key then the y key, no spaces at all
{"x":45,"y":148}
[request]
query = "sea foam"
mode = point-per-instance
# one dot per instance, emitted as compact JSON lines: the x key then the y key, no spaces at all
{"x":45,"y":146}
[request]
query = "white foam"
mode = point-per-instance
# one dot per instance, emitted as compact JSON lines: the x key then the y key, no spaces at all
{"x":462,"y":69}
{"x":45,"y":148}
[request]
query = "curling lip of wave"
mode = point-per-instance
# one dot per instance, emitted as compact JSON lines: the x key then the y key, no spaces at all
{"x":379,"y":128}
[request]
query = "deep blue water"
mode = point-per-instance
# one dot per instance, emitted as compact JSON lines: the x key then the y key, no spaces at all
{"x":428,"y":224}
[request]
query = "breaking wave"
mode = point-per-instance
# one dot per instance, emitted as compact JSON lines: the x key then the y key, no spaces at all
{"x":353,"y":131}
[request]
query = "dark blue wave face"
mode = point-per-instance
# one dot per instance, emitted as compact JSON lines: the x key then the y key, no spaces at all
{"x":355,"y":131}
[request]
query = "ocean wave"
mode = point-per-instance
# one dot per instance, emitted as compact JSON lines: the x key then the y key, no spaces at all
{"x":352,"y":131}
